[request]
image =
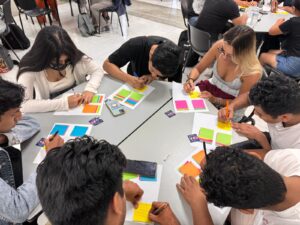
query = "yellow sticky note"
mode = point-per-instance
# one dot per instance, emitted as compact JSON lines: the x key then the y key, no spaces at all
{"x":142,"y":89}
{"x":224,"y":125}
{"x":142,"y":212}
{"x":194,"y":94}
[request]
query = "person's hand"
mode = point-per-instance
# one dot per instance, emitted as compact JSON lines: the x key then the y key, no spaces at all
{"x":208,"y":95}
{"x":252,"y":3}
{"x":190,"y":189}
{"x":280,"y":21}
{"x":274,"y":6}
{"x":247,"y":130}
{"x":226,"y":115}
{"x":164,"y":217}
{"x":189,"y":86}
{"x":87,"y":97}
{"x":74,"y":100}
{"x":147,"y":79}
{"x":133,"y":192}
{"x":53,"y":142}
{"x":136,"y":82}
{"x":3,"y":139}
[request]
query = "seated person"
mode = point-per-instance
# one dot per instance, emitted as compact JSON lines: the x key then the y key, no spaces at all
{"x":215,"y":16}
{"x":287,"y":5}
{"x":269,"y":189}
{"x":149,"y":58}
{"x":276,"y":100}
{"x":286,"y":60}
{"x":235,"y":71}
{"x":45,"y":76}
{"x":17,"y":199}
{"x":81,"y":183}
{"x":97,"y":5}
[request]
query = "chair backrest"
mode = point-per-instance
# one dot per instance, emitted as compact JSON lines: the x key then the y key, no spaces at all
{"x":7,"y":12}
{"x":200,"y":40}
{"x":187,"y":10}
{"x":26,"y":4}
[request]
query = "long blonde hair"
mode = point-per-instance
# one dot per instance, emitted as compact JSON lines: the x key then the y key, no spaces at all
{"x":243,"y":40}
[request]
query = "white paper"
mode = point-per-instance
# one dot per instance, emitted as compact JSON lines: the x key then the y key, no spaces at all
{"x":146,"y":92}
{"x":178,"y":93}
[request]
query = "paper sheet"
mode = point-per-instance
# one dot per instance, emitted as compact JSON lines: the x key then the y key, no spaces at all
{"x":67,"y":132}
{"x":131,"y":97}
{"x":186,"y":103}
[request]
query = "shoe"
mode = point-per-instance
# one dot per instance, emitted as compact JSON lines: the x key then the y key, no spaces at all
{"x":106,"y":17}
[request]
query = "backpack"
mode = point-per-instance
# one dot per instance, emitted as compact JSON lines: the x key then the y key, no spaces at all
{"x":183,"y":42}
{"x":16,"y":38}
{"x":85,"y":25}
{"x":6,"y":63}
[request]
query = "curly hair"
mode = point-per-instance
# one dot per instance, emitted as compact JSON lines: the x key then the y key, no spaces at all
{"x":276,"y":95}
{"x":76,"y":182}
{"x":234,"y":178}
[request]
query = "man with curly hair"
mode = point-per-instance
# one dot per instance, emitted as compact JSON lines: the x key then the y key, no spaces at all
{"x":267,"y":192}
{"x":276,"y":100}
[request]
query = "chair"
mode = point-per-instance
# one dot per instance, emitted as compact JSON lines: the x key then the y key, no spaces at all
{"x":79,"y":9}
{"x":8,"y":19}
{"x":187,"y":11}
{"x":29,"y":8}
{"x":268,"y":70}
{"x":200,"y":41}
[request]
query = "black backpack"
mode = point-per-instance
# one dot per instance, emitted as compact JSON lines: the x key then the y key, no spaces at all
{"x":183,"y":42}
{"x":16,"y":38}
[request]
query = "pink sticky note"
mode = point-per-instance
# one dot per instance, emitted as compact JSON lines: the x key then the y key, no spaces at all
{"x":198,"y":104}
{"x":181,"y":105}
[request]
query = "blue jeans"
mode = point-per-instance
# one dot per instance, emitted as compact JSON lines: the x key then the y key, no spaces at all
{"x":289,"y":65}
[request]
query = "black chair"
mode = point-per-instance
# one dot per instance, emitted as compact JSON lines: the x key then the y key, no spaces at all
{"x":187,"y":11}
{"x":79,"y":9}
{"x":268,"y":70}
{"x":30,"y":8}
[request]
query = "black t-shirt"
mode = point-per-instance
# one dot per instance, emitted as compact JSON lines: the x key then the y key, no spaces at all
{"x":136,"y":52}
{"x":291,"y":28}
{"x":286,"y":2}
{"x":215,"y":14}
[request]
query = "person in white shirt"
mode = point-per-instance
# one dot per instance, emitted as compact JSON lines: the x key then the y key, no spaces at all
{"x":269,"y":189}
{"x":53,"y":66}
{"x":276,"y":100}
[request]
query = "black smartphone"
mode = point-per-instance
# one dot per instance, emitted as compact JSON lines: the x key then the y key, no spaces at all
{"x":143,"y":168}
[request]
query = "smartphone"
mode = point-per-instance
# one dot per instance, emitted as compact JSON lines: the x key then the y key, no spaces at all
{"x":263,"y":12}
{"x":143,"y":168}
{"x":115,"y":107}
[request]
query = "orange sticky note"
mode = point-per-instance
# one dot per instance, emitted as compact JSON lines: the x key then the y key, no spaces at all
{"x":189,"y":169}
{"x":90,"y":108}
{"x":198,"y":157}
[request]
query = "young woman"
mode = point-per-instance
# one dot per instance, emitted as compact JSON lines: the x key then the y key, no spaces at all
{"x":53,"y":66}
{"x":235,"y":71}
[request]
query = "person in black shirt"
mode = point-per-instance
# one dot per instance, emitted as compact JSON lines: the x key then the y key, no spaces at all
{"x":286,"y":60}
{"x":149,"y":58}
{"x":287,"y":5}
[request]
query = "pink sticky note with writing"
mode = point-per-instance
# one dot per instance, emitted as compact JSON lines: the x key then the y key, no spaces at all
{"x":198,"y":104}
{"x":181,"y":105}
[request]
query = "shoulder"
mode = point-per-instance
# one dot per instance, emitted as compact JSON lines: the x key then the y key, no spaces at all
{"x":30,"y":76}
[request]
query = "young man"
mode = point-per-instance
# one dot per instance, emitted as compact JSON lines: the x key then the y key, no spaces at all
{"x":17,"y":199}
{"x":287,"y":59}
{"x":149,"y":58}
{"x":84,"y":185}
{"x":276,"y":100}
{"x":236,"y":179}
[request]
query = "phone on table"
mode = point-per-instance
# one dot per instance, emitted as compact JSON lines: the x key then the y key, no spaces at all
{"x":143,"y":168}
{"x":263,"y":12}
{"x":115,"y":107}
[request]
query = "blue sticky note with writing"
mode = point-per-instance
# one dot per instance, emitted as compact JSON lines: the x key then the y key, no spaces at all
{"x":152,"y":179}
{"x":79,"y":131}
{"x":60,"y":128}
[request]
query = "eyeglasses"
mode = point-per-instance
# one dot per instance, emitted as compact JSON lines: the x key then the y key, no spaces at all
{"x":221,"y":50}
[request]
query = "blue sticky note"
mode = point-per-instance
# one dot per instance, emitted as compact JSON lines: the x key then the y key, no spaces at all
{"x":79,"y":131}
{"x":60,"y":128}
{"x":152,"y":179}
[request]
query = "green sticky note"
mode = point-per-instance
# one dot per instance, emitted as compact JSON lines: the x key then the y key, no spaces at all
{"x":129,"y":176}
{"x":223,"y":139}
{"x":136,"y":96}
{"x":124,"y":93}
{"x":95,"y":99}
{"x":206,"y":134}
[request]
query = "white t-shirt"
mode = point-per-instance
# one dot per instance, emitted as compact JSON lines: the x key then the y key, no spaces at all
{"x":284,"y":137}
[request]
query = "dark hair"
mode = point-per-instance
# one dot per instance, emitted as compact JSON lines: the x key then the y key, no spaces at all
{"x":11,"y":96}
{"x":51,"y":42}
{"x":77,"y":181}
{"x":276,"y":95}
{"x":296,"y":4}
{"x":234,"y":178}
{"x":167,"y":58}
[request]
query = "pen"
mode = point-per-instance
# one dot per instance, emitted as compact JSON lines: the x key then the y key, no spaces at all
{"x":204,"y":148}
{"x":160,"y":209}
{"x":227,"y":109}
{"x":53,"y":136}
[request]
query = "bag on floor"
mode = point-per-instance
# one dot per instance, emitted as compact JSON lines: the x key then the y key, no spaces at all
{"x":6,"y":63}
{"x":85,"y":25}
{"x":16,"y":38}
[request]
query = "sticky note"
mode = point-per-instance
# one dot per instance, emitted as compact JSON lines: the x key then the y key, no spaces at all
{"x":141,"y":214}
{"x":124,"y":93}
{"x":189,"y":169}
{"x":131,"y":101}
{"x":224,"y":125}
{"x":136,"y":96}
{"x":181,"y":105}
{"x":199,"y":156}
{"x":198,"y":104}
{"x":90,"y":108}
{"x":79,"y":131}
{"x":142,"y":89}
{"x":150,"y":179}
{"x":206,"y":134}
{"x":129,"y":176}
{"x":97,"y":99}
{"x":223,"y":139}
{"x":60,"y":128}
{"x":194,"y":94}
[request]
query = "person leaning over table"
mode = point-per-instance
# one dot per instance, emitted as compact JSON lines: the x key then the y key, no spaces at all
{"x":149,"y":58}
{"x":52,"y":66}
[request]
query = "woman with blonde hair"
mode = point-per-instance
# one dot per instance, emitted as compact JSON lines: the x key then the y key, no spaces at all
{"x":236,"y":67}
